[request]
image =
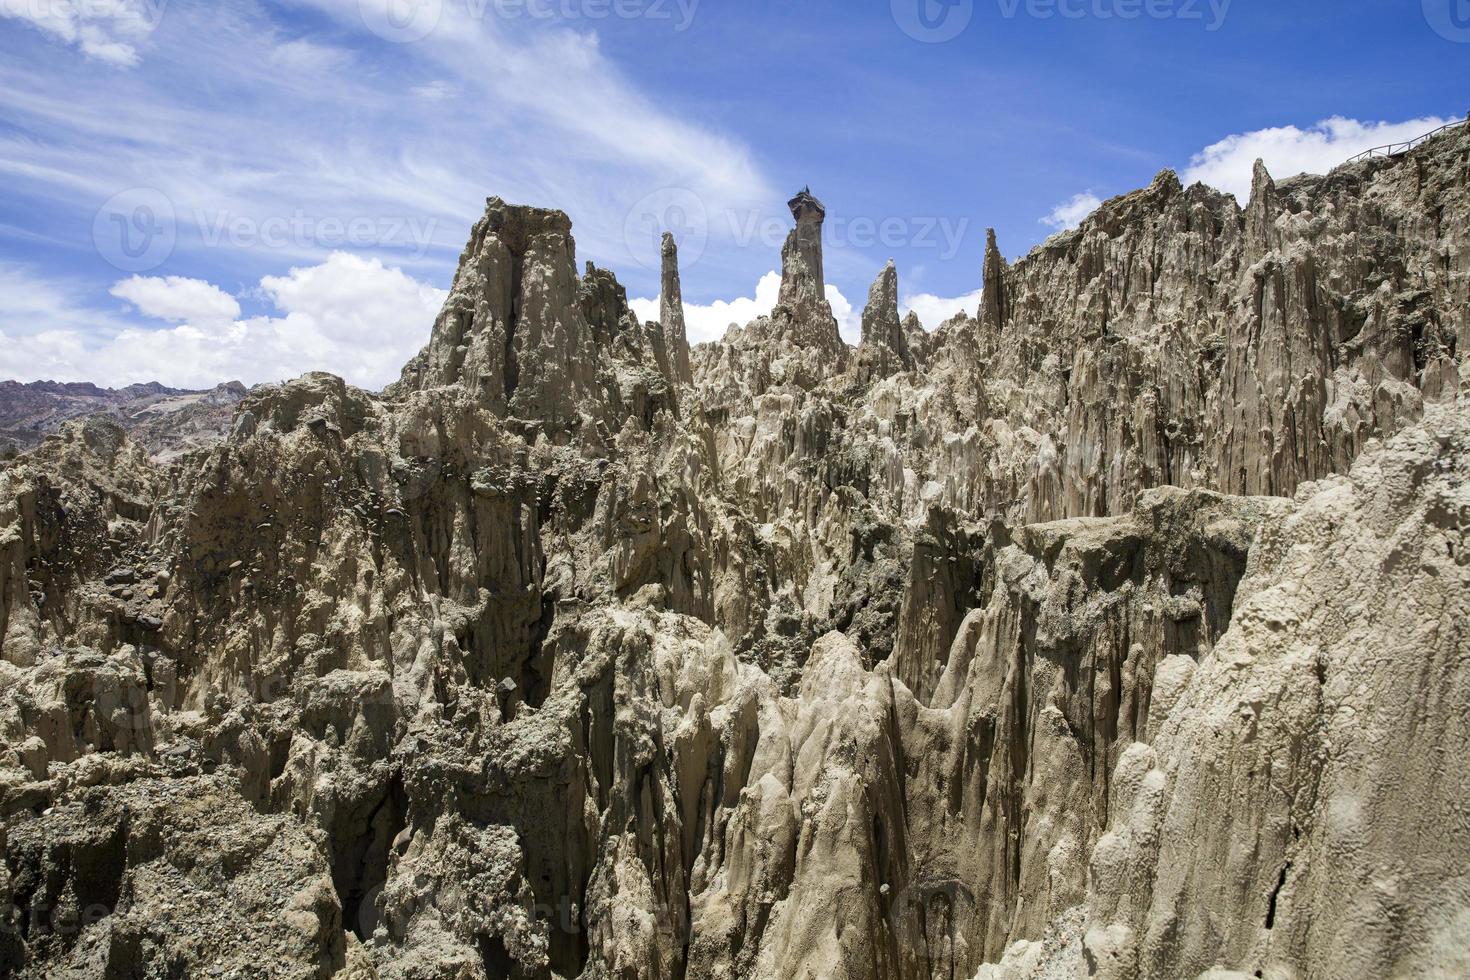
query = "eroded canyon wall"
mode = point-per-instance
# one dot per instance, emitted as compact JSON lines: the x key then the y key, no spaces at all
{"x":1116,"y":630}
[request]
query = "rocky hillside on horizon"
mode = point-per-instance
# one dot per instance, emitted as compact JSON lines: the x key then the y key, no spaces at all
{"x":1115,"y":630}
{"x":168,"y":422}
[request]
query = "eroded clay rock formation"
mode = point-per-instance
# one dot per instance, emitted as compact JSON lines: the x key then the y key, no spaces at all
{"x":671,"y":312}
{"x":1115,"y":630}
{"x":884,"y":350}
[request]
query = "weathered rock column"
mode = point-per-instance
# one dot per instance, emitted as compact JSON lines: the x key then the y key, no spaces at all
{"x":671,"y":312}
{"x":810,"y":215}
{"x":993,"y":311}
{"x":884,"y":350}
{"x":802,"y":309}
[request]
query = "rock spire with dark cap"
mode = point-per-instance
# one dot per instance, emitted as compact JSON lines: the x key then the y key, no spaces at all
{"x":802,"y":308}
{"x":809,"y":214}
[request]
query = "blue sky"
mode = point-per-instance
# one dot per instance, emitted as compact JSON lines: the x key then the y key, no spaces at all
{"x":196,"y":191}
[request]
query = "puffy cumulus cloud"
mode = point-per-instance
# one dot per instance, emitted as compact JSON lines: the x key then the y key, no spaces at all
{"x":849,"y":319}
{"x":934,"y":310}
{"x":1288,"y":150}
{"x":1071,"y":212}
{"x":177,"y":299}
{"x":49,"y":355}
{"x":364,"y":319}
{"x":711,"y":321}
{"x":105,"y":30}
{"x":351,"y":316}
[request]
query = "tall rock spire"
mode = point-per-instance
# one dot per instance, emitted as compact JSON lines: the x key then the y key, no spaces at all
{"x":803,"y":282}
{"x":1260,"y":214}
{"x":810,"y":215}
{"x":512,"y":331}
{"x":884,"y":350}
{"x":993,"y":303}
{"x":802,"y":307}
{"x":671,"y":312}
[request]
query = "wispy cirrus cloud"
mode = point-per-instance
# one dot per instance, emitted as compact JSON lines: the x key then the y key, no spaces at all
{"x":292,"y":123}
{"x":264,"y":139}
{"x":108,"y":31}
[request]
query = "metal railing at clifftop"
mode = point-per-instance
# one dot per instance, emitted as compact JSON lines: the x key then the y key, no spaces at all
{"x":1396,"y":149}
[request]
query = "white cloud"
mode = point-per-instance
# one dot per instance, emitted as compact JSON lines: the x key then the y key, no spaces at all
{"x":934,"y":310}
{"x":268,"y":132}
{"x":105,"y":30}
{"x":549,"y":127}
{"x":1288,"y":150}
{"x":32,"y":302}
{"x":50,"y":355}
{"x":436,"y":91}
{"x":359,"y":318}
{"x":349,"y":315}
{"x":177,"y":299}
{"x":1071,"y":212}
{"x":309,"y":58}
{"x":849,"y":320}
{"x":711,"y":321}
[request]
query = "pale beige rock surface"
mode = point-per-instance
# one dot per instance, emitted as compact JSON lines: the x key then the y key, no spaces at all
{"x":1116,"y":630}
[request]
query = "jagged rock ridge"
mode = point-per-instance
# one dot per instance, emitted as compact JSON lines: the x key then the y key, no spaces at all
{"x":1078,"y":638}
{"x":169,"y":422}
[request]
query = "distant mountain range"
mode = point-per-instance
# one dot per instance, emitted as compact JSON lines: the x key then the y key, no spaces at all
{"x":167,"y":421}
